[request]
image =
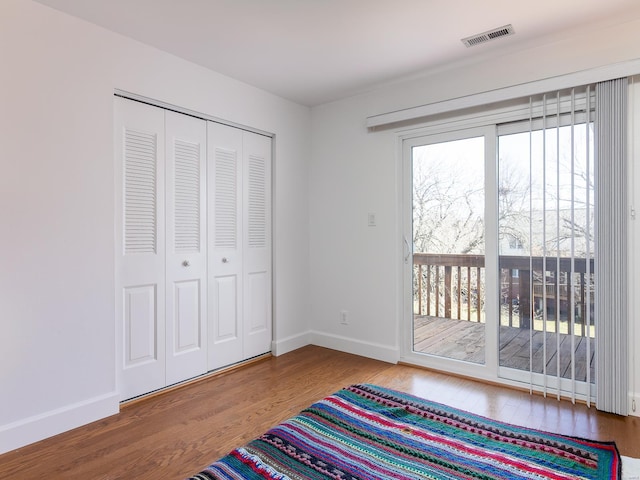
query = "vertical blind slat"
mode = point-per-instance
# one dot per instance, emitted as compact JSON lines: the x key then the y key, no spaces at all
{"x":572,"y":300}
{"x":545,"y":300}
{"x":531,"y":303}
{"x":587,"y":314}
{"x":557,"y":278}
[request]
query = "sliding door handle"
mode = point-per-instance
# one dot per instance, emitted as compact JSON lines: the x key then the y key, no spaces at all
{"x":407,"y":249}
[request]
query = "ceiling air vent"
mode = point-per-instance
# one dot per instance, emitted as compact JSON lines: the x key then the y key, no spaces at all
{"x":490,"y":35}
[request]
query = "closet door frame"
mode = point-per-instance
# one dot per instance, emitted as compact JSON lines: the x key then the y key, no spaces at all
{"x":156,"y":292}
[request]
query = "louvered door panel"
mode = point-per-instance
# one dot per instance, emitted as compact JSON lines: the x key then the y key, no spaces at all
{"x":226,"y":198}
{"x":140,"y":195}
{"x":187,"y":183}
{"x":224,"y":152}
{"x":140,"y":262}
{"x":257,"y":201}
{"x":257,"y":244}
{"x":186,"y":140}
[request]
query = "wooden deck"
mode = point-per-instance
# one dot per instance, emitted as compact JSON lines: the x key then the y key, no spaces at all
{"x":464,"y":340}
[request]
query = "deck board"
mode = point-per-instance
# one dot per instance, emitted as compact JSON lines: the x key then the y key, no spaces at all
{"x":464,"y":340}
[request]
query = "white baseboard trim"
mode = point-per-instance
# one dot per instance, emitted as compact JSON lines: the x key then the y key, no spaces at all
{"x":38,"y":427}
{"x":356,"y":347}
{"x":289,"y":344}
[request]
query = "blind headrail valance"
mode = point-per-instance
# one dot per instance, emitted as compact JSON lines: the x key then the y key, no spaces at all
{"x":593,"y":75}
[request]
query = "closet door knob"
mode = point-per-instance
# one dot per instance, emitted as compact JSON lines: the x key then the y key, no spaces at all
{"x":186,"y":263}
{"x":225,"y":260}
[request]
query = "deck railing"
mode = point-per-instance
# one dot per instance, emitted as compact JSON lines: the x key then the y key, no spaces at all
{"x":452,"y":286}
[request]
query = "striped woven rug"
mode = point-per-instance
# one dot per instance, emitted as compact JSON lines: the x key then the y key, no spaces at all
{"x":369,"y":432}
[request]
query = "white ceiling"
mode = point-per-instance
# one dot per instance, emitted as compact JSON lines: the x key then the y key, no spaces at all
{"x":315,"y":51}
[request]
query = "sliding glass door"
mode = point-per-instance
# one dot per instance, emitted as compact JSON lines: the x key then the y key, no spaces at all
{"x":499,"y":247}
{"x":448,"y":255}
{"x":452,"y":294}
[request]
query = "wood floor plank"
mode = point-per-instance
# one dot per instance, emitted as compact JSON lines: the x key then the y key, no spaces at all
{"x":174,"y":435}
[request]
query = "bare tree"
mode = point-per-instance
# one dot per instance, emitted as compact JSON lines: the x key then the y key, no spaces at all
{"x":513,"y":205}
{"x":447,"y":215}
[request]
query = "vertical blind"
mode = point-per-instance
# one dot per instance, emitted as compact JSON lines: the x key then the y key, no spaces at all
{"x":546,"y":170}
{"x":562,"y":231}
{"x":612,"y":365}
{"x":576,"y":303}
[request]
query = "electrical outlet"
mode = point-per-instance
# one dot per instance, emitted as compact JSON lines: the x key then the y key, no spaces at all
{"x":344,"y":320}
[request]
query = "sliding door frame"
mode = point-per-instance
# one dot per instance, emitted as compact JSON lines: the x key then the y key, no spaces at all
{"x":457,"y":125}
{"x":406,"y":141}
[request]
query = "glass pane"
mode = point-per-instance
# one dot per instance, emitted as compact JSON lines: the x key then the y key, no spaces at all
{"x":546,"y":231}
{"x":448,"y":240}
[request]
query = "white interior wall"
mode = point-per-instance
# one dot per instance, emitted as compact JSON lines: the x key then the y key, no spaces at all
{"x":57,"y":342}
{"x":354,"y":172}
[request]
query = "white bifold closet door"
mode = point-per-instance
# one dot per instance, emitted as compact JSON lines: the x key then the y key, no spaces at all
{"x":186,"y":268}
{"x":161,"y":258}
{"x":239,"y":224}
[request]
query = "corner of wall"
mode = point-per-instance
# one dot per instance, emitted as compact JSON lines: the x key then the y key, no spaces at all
{"x":289,"y":344}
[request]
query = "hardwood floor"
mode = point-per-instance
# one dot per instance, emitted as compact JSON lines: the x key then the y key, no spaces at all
{"x":174,"y":435}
